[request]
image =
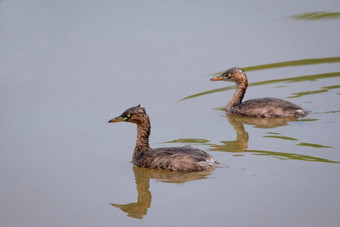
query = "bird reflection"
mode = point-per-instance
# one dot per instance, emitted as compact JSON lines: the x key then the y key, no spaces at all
{"x":142,"y":177}
{"x":260,"y":122}
{"x":240,"y":145}
{"x":242,"y":137}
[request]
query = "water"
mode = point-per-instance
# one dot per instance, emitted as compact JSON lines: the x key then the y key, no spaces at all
{"x":67,"y":67}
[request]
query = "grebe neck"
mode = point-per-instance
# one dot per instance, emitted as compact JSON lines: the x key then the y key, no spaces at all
{"x":143,"y":133}
{"x":238,"y":95}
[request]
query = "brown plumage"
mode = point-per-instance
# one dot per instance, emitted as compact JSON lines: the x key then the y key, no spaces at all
{"x":262,"y":107}
{"x":169,"y":158}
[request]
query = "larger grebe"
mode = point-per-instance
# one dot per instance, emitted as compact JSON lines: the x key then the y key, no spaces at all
{"x":169,"y":158}
{"x":262,"y":107}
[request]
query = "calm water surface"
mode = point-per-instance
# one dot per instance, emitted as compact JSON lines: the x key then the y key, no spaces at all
{"x":67,"y":67}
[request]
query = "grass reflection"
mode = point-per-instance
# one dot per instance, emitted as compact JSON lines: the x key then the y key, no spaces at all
{"x":313,"y":145}
{"x":324,"y":89}
{"x":142,"y":178}
{"x":240,"y":145}
{"x":333,"y":111}
{"x":301,"y":62}
{"x":300,"y":144}
{"x":282,"y":137}
{"x":317,"y":16}
{"x":309,"y":119}
{"x":189,"y":140}
{"x":290,"y":156}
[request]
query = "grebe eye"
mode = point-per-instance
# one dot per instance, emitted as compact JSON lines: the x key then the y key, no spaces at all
{"x":229,"y":74}
{"x":128,"y":115}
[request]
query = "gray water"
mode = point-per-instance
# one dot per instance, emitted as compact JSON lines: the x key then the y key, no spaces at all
{"x":67,"y":67}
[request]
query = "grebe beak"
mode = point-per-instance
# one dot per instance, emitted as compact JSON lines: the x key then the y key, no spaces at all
{"x":219,"y":78}
{"x":116,"y":119}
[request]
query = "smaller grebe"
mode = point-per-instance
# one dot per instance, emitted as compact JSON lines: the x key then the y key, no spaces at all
{"x":169,"y":158}
{"x":262,"y":107}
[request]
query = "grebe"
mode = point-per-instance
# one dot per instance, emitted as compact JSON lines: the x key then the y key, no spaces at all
{"x":262,"y":107}
{"x":169,"y":158}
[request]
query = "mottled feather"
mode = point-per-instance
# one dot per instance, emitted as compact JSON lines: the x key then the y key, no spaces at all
{"x":168,"y":158}
{"x":262,"y":107}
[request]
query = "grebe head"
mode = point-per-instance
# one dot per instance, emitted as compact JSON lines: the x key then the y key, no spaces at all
{"x":134,"y":114}
{"x":234,"y":74}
